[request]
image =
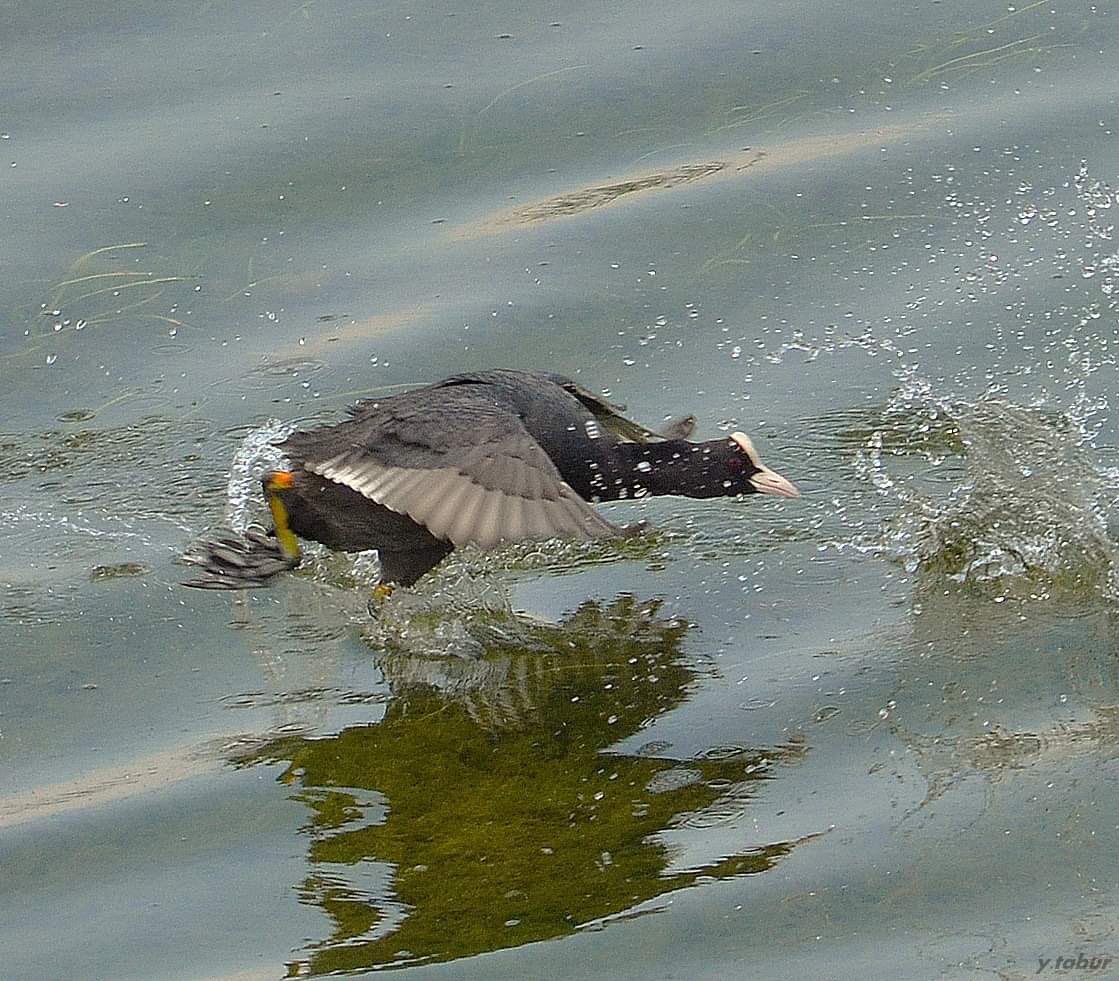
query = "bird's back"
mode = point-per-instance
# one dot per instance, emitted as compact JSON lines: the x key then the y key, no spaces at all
{"x":420,"y":427}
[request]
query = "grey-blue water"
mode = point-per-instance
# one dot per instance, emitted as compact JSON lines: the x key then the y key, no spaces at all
{"x":869,"y":733}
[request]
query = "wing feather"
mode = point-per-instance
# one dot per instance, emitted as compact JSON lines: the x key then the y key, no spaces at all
{"x":444,"y":510}
{"x":461,"y":528}
{"x":487,"y":530}
{"x":514,"y":519}
{"x":501,"y":486}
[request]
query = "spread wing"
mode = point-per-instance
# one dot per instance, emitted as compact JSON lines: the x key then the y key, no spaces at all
{"x":470,"y":475}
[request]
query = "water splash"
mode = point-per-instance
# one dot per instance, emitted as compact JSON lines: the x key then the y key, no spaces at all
{"x":256,"y":455}
{"x":451,"y":614}
{"x":998,"y":476}
{"x":1027,"y":501}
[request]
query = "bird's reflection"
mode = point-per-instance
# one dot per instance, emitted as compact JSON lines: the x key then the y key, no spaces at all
{"x":490,"y":806}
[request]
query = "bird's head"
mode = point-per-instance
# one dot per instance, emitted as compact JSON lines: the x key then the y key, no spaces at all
{"x":748,"y":475}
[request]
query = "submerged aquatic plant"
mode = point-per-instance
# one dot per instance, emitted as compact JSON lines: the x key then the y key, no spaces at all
{"x":495,"y":804}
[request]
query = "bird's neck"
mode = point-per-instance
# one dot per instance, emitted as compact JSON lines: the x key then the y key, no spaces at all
{"x":674,"y":466}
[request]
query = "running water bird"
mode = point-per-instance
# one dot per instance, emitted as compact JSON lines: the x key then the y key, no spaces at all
{"x":483,"y":457}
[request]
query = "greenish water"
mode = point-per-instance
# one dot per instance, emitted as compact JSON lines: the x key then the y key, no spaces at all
{"x":868,"y":733}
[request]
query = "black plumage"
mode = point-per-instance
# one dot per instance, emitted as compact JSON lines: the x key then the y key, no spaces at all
{"x":483,"y":457}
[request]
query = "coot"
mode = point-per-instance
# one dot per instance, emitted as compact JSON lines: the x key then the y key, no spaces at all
{"x":483,"y":457}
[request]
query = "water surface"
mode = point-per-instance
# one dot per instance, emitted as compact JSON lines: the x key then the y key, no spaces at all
{"x":868,"y":733}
